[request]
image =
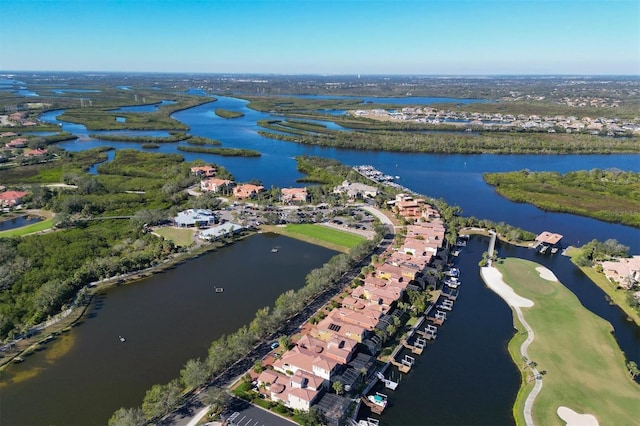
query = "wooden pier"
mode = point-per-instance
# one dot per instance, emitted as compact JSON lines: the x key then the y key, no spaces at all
{"x":376,"y":409}
{"x":439,"y":318}
{"x":418,"y":346}
{"x":404,"y":366}
{"x":452,"y":294}
{"x":429,"y":332}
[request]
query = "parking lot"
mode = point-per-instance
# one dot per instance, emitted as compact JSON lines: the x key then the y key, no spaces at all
{"x":254,"y":416}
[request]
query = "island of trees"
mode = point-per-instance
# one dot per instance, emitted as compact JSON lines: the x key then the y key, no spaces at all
{"x":609,"y":195}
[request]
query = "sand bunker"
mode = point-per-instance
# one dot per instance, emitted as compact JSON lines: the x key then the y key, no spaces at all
{"x":571,"y":418}
{"x":546,"y":274}
{"x":493,"y":279}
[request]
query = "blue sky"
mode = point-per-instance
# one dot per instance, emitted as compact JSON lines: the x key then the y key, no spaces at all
{"x":323,"y":36}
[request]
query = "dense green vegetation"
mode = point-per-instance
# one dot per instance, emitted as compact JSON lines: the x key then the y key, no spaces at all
{"x":39,"y":274}
{"x":172,"y":138}
{"x":609,"y":195}
{"x":590,"y":374}
{"x":225,"y":113}
{"x":101,"y":118}
{"x":199,"y":140}
{"x":52,"y":172}
{"x":492,"y":143}
{"x":225,"y":152}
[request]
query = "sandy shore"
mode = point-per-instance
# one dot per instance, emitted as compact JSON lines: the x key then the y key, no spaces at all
{"x":546,"y":274}
{"x":493,"y":279}
{"x":571,"y":418}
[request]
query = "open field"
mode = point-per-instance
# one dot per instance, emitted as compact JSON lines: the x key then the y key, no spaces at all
{"x":318,"y":234}
{"x":182,"y":237}
{"x":583,"y":364}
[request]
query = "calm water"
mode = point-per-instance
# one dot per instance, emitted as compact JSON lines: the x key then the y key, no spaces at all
{"x":467,"y":377}
{"x":166,"y":319}
{"x":468,"y":364}
{"x":18,"y":222}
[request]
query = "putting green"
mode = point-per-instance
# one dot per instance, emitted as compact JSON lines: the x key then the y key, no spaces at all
{"x":583,"y":364}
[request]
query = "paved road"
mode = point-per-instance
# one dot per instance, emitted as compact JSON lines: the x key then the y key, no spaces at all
{"x":185,"y":414}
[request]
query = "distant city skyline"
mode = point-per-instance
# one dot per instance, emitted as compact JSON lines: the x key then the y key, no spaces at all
{"x":428,"y":37}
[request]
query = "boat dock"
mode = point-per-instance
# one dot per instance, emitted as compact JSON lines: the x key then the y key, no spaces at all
{"x":439,"y":318}
{"x":375,"y":408}
{"x":404,"y":366}
{"x":429,"y":333}
{"x":417,"y":347}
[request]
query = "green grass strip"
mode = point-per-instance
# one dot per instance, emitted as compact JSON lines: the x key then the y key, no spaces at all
{"x":585,"y":367}
{"x":29,"y":229}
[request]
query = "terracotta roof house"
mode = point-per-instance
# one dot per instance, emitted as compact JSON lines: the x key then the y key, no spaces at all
{"x":34,"y":152}
{"x":356,"y":304}
{"x":246,"y":190}
{"x":316,"y":364}
{"x":384,"y":296}
{"x":328,"y":327}
{"x":624,"y":271}
{"x":11,"y":198}
{"x":549,"y":238}
{"x":17,"y":143}
{"x":214,"y":184}
{"x":204,"y":171}
{"x":338,"y":348}
{"x":291,"y":195}
{"x":298,"y":391}
{"x":364,"y":318}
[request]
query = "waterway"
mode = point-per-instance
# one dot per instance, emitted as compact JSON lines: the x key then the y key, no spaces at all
{"x":467,"y":377}
{"x":18,"y":222}
{"x":85,"y":375}
{"x":455,"y":178}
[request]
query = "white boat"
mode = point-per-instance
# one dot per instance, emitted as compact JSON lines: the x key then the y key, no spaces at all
{"x":378,"y":399}
{"x":388,"y":383}
{"x":122,"y":339}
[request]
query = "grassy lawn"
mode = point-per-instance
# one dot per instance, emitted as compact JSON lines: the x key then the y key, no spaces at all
{"x":29,"y":229}
{"x":585,"y":368}
{"x":320,"y":235}
{"x":617,"y":296}
{"x":182,"y":237}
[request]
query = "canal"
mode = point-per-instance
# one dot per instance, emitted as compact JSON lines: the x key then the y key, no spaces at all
{"x":467,"y":377}
{"x":83,"y":376}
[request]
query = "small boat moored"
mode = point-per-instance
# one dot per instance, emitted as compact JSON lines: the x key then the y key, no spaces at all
{"x":122,"y":339}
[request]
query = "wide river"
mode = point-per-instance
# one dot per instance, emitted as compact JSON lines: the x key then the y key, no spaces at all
{"x":82,"y":377}
{"x":466,"y":377}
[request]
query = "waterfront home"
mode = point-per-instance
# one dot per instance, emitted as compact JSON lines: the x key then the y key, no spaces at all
{"x":298,"y":391}
{"x":549,"y":239}
{"x":365,"y":318}
{"x":194,"y":217}
{"x":219,"y":231}
{"x":204,"y":171}
{"x":316,"y":364}
{"x":384,"y":296}
{"x":11,"y":198}
{"x":328,"y":327}
{"x":623,"y":271}
{"x":214,"y":184}
{"x":247,"y":190}
{"x":356,"y":304}
{"x":293,"y":195}
{"x":336,"y":347}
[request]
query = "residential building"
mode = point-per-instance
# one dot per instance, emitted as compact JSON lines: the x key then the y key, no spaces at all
{"x":247,"y":190}
{"x":293,"y":195}
{"x":11,"y":198}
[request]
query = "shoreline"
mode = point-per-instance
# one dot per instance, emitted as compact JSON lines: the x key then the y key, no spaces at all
{"x":65,"y":322}
{"x":613,"y":295}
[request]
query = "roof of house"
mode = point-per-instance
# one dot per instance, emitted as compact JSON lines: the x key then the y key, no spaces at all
{"x":549,"y":238}
{"x":12,"y":195}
